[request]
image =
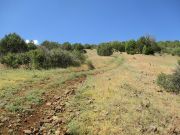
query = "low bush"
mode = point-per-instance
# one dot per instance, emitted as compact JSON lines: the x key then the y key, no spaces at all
{"x":42,"y":58}
{"x":78,"y":47}
{"x":39,"y":58}
{"x":130,"y":47}
{"x":170,"y":82}
{"x":147,"y":50}
{"x":104,"y":50}
{"x":10,"y":60}
{"x":118,"y":46}
{"x":164,"y":81}
{"x":176,"y":51}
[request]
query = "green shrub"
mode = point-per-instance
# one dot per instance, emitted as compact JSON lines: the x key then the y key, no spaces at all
{"x":50,"y":45}
{"x":130,"y":47}
{"x":39,"y":58}
{"x":66,"y":46}
{"x":43,"y":58}
{"x":176,"y":79}
{"x":78,"y":47}
{"x":61,"y":58}
{"x":147,"y":50}
{"x":10,"y":60}
{"x":104,"y":50}
{"x":31,"y":46}
{"x":170,"y":82}
{"x":147,"y":45}
{"x":118,"y":46}
{"x":12,"y":43}
{"x":78,"y":56}
{"x":164,"y":81}
{"x":88,"y":46}
{"x":176,"y":51}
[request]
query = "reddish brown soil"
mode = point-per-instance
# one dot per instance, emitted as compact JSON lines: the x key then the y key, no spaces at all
{"x":50,"y":112}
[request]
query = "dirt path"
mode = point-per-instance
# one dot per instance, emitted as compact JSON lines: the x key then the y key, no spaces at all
{"x":47,"y":118}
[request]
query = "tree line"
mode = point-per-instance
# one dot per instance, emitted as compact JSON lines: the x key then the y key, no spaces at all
{"x":15,"y":52}
{"x":146,"y":45}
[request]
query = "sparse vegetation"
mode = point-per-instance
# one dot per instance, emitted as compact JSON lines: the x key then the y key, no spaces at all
{"x":100,"y":95}
{"x":170,"y":82}
{"x":170,"y":47}
{"x":90,"y":65}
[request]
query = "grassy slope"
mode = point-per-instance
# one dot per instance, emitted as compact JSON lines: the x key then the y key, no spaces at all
{"x":20,"y":89}
{"x":126,"y":99}
{"x":119,"y":97}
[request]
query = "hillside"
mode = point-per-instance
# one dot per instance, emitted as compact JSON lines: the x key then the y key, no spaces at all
{"x":120,"y":96}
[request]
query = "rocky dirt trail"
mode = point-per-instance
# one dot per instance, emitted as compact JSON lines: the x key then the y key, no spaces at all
{"x":47,"y":118}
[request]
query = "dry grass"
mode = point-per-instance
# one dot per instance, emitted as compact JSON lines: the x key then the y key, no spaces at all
{"x":126,"y":99}
{"x":120,"y":95}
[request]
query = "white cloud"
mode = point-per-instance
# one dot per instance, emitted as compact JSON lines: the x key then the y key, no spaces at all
{"x":27,"y":41}
{"x":35,"y":41}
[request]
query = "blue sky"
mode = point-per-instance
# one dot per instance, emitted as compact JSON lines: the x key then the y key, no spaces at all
{"x":90,"y":21}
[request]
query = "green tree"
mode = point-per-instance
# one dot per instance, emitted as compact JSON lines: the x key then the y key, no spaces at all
{"x":66,"y":46}
{"x":130,"y":47}
{"x":150,"y":43}
{"x":104,"y":49}
{"x":147,"y":50}
{"x":118,"y":46}
{"x":141,"y":42}
{"x":50,"y":45}
{"x":12,"y":43}
{"x":78,"y":46}
{"x":31,"y":45}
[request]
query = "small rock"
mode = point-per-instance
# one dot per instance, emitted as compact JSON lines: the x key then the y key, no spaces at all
{"x":58,"y":109}
{"x":4,"y":119}
{"x":57,"y":97}
{"x":145,"y":103}
{"x":90,"y":101}
{"x":42,"y":129}
{"x":47,"y":120}
{"x":48,"y":103}
{"x":57,"y":132}
{"x":18,"y":120}
{"x":56,"y":120}
{"x":10,"y":131}
{"x":27,"y":132}
{"x":152,"y":128}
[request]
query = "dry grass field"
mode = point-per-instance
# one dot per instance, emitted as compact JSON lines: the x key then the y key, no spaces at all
{"x":119,"y":97}
{"x":126,"y":99}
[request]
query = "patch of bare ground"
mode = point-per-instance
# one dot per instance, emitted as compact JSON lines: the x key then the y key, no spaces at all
{"x":46,"y":118}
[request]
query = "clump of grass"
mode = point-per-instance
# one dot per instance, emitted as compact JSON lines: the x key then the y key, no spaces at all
{"x":16,"y":106}
{"x":34,"y":97}
{"x":178,"y":62}
{"x":20,"y":104}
